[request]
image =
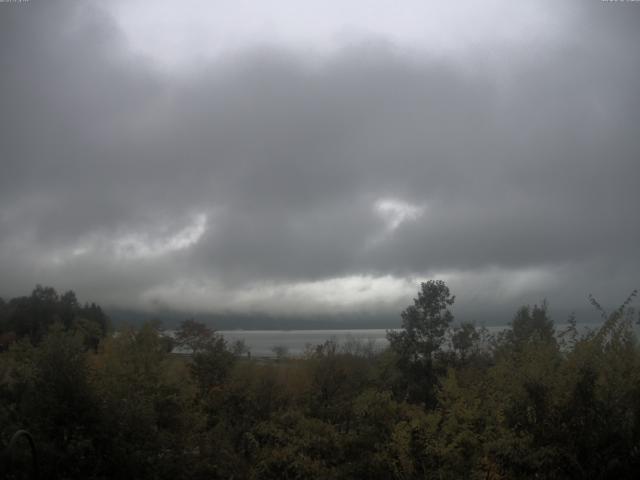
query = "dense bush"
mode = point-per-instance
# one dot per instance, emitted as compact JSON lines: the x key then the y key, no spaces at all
{"x":443,"y":401}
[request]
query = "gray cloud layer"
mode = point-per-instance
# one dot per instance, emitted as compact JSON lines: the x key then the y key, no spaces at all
{"x":266,"y":181}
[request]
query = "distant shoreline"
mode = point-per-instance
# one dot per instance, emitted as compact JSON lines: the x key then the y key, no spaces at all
{"x":293,"y":343}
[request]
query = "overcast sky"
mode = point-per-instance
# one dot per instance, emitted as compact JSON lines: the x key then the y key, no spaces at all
{"x":322,"y":157}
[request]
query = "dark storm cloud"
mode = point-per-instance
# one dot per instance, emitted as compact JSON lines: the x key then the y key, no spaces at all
{"x":373,"y":162}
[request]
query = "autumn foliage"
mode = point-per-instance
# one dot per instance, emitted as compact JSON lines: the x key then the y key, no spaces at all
{"x":443,"y":401}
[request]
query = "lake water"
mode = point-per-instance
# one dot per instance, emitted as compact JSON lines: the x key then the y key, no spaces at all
{"x":261,"y":343}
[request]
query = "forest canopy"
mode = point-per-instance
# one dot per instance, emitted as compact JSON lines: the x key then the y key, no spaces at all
{"x":444,"y":400}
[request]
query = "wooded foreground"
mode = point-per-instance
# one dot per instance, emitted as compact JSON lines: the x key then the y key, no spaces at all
{"x":444,"y":401}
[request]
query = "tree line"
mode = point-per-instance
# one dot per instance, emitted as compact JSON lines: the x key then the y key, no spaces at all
{"x":445,"y":400}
